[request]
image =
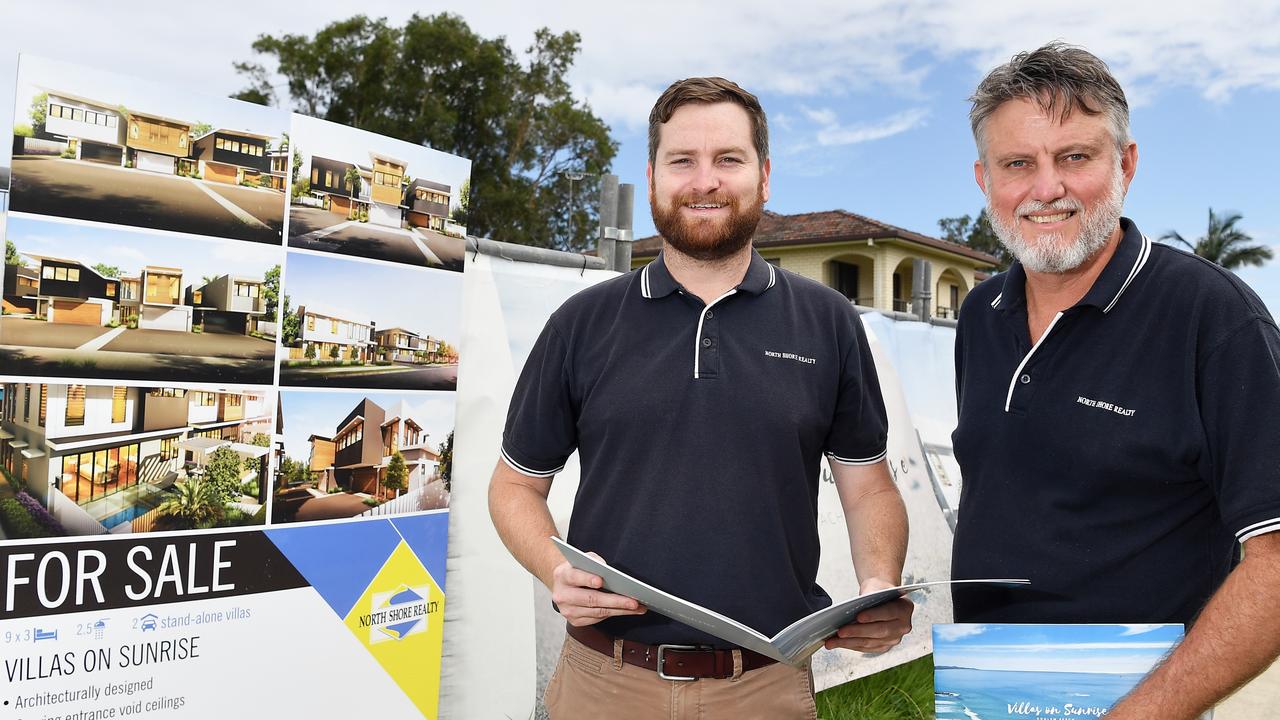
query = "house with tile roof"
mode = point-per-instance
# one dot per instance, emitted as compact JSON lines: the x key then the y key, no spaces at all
{"x":868,"y":261}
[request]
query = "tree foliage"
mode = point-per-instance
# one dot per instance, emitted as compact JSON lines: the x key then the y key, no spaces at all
{"x":105,"y":270}
{"x":397,"y":474}
{"x":290,"y":325}
{"x":1224,"y":243}
{"x":192,"y":504}
{"x":271,"y":291}
{"x":976,"y":234}
{"x":446,"y":462}
{"x":39,"y":112}
{"x":11,"y":254}
{"x":433,"y":81}
{"x":222,"y":473}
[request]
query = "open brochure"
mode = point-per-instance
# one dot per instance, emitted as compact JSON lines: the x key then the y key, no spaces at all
{"x":791,"y":645}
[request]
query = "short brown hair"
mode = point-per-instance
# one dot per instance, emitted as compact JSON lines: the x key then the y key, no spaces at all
{"x":708,"y":90}
{"x":1059,"y":78}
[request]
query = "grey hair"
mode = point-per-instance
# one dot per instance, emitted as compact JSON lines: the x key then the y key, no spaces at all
{"x":1059,"y":78}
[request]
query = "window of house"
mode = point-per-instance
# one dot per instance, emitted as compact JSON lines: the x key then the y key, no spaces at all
{"x":77,"y":115}
{"x":311,"y":322}
{"x":46,"y":272}
{"x":235,"y":401}
{"x":26,"y":403}
{"x":118,"y":395}
{"x":219,"y":143}
{"x":75,"y":406}
{"x":133,"y":130}
{"x":333,"y":326}
{"x":111,"y":288}
{"x":73,"y":274}
{"x":112,"y":121}
{"x":168,"y":448}
{"x":315,"y":176}
{"x":44,"y":403}
{"x":328,"y":178}
{"x":167,"y":392}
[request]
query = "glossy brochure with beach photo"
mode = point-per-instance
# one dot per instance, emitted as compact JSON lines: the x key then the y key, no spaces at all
{"x":791,"y":645}
{"x":1042,"y":672}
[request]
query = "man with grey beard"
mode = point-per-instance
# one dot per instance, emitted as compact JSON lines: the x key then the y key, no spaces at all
{"x":1118,"y":402}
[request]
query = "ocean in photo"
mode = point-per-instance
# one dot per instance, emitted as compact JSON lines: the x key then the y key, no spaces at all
{"x":966,"y":694}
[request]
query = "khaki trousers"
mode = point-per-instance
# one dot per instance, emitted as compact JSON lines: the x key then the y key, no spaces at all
{"x":588,"y":685}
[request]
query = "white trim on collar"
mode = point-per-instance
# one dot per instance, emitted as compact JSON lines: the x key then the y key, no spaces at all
{"x":1143,"y":253}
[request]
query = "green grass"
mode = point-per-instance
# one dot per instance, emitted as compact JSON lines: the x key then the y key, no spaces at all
{"x":904,"y":692}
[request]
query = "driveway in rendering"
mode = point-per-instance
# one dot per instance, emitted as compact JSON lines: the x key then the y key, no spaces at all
{"x":315,"y":229}
{"x":37,"y":333}
{"x":452,"y":251}
{"x":125,"y":196}
{"x":199,"y":344}
{"x":107,"y":365}
{"x":384,"y":377}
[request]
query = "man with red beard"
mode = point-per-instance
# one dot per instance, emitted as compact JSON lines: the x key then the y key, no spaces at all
{"x":700,"y":393}
{"x":1118,"y":402}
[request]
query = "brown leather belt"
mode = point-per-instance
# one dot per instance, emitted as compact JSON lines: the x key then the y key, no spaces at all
{"x":678,"y":662}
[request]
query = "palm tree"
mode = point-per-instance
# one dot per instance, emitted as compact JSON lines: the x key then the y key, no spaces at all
{"x":193,"y":504}
{"x":1225,"y":244}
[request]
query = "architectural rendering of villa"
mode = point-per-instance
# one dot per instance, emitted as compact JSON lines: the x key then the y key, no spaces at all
{"x":102,"y":458}
{"x":234,"y":157}
{"x":69,"y":291}
{"x":384,"y":194}
{"x":92,"y":130}
{"x":155,"y":143}
{"x":356,"y":457}
{"x":333,"y":335}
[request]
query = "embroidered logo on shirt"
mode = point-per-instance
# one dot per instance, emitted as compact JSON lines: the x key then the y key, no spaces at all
{"x":790,"y":356}
{"x":1101,"y":405}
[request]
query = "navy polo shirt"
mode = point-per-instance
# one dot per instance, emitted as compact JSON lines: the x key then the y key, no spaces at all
{"x":1118,"y":461}
{"x":700,"y":430}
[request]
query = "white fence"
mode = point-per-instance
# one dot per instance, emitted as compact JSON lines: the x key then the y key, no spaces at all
{"x":431,"y":496}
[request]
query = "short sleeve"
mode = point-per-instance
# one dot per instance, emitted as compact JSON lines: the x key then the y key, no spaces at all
{"x":860,"y":430}
{"x":541,"y":429}
{"x":1239,"y":394}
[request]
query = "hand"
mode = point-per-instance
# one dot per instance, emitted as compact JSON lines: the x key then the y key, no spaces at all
{"x":576,"y":593}
{"x":877,"y":629}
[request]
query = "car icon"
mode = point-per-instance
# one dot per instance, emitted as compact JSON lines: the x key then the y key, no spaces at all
{"x":149,"y":622}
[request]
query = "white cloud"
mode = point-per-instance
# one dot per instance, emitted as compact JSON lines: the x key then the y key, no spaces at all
{"x":837,"y":134}
{"x":1140,"y":629}
{"x":951,"y":633}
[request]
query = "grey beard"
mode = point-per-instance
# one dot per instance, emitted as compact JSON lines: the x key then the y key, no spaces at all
{"x":1048,"y":254}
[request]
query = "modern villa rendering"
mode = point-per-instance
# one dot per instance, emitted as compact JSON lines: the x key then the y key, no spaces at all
{"x":340,"y":334}
{"x":376,"y":459}
{"x":95,"y":459}
{"x":369,"y":196}
{"x":76,"y":315}
{"x":90,"y":145}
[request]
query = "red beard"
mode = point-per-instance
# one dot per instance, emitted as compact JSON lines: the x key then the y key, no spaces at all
{"x":707,"y":239}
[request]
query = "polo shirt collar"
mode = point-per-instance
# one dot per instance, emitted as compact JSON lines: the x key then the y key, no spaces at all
{"x":656,"y":281}
{"x":1129,"y":258}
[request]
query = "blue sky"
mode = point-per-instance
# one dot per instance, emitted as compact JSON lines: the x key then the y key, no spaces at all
{"x":308,"y":413}
{"x":131,"y":251}
{"x":1054,"y":648}
{"x":866,"y":97}
{"x":422,"y":300}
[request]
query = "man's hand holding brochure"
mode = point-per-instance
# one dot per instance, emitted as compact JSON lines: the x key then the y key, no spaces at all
{"x":792,"y":645}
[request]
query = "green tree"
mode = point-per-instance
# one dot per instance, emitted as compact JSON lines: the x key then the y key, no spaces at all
{"x":290,"y":325}
{"x":1224,"y":243}
{"x":352,"y":179}
{"x":39,"y":112}
{"x":446,"y":462}
{"x":271,"y":291}
{"x":459,"y":213}
{"x":106,"y":270}
{"x":397,"y":474}
{"x":223,"y":474}
{"x":201,"y":129}
{"x":261,"y":440}
{"x":433,"y":81}
{"x":192,"y":504}
{"x":978,"y":235}
{"x":11,"y":254}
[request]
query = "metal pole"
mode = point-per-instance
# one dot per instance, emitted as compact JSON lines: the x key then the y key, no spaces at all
{"x":921,"y":289}
{"x":607,"y":239}
{"x":626,"y":208}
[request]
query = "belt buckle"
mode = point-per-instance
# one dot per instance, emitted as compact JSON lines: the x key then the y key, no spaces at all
{"x":662,"y":652}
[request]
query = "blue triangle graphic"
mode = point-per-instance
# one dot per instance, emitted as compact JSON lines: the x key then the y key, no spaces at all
{"x":428,"y":538}
{"x":339,"y":560}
